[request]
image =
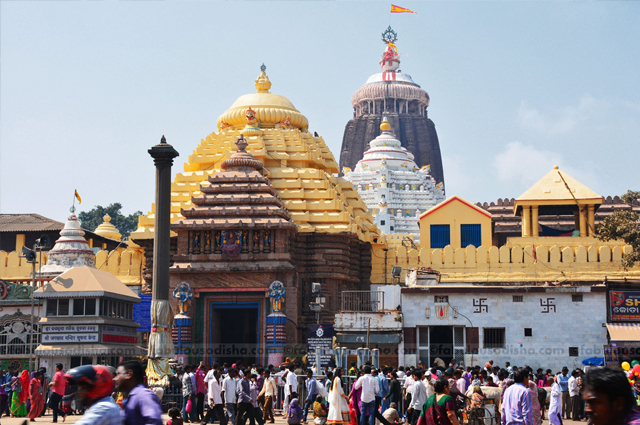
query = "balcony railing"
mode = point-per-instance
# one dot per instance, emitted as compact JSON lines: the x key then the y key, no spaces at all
{"x":362,"y":301}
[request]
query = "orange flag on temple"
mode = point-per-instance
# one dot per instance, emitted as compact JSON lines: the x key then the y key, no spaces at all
{"x":398,"y":9}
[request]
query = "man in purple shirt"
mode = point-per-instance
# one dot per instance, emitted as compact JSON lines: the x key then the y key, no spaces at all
{"x":140,"y":405}
{"x":516,"y":403}
{"x":245,"y":401}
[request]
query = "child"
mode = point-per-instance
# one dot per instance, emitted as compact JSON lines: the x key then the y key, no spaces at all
{"x":175,"y":415}
{"x":319,"y":411}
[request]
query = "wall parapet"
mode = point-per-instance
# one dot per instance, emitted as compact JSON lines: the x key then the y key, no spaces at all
{"x":510,"y":263}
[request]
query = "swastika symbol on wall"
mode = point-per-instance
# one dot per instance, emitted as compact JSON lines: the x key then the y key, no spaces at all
{"x":480,"y":305}
{"x":547,"y":305}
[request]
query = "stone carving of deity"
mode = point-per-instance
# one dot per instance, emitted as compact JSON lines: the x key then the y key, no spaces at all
{"x":276,"y":295}
{"x":183,"y":294}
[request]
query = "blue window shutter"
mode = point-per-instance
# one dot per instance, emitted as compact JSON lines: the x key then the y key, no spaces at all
{"x":470,"y":234}
{"x":440,"y":235}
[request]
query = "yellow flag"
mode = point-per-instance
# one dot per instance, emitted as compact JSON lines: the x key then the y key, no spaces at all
{"x":398,"y":9}
{"x":78,"y":197}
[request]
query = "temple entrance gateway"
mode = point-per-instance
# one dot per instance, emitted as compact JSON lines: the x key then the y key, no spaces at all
{"x":234,"y":333}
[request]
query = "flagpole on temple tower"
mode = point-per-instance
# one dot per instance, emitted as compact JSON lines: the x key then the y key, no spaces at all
{"x":161,"y":348}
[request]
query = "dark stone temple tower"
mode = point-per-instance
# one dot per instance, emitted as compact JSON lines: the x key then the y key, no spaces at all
{"x":393,"y":94}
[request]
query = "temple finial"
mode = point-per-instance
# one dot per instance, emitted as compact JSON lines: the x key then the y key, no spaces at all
{"x":263,"y":68}
{"x":163,"y":139}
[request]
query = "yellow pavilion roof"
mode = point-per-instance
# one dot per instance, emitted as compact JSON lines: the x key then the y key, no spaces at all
{"x":300,"y":166}
{"x":552,"y":190}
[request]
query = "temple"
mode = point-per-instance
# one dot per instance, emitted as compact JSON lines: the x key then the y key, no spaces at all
{"x":392,"y":186}
{"x":393,"y":94}
{"x":259,"y":206}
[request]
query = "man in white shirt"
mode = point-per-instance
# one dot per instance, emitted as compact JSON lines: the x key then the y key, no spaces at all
{"x":370,"y":387}
{"x":290,"y":387}
{"x":269,"y":391}
{"x":418,"y":397}
{"x":229,"y":394}
{"x":428,"y":382}
{"x":408,"y":387}
{"x":574,"y":393}
{"x":214,"y":398}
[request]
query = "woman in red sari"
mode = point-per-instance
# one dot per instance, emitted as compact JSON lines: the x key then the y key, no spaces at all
{"x":35,"y":395}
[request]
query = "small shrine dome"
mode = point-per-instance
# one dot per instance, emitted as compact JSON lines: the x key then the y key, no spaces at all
{"x":108,"y":230}
{"x":270,"y":109}
{"x":70,"y":250}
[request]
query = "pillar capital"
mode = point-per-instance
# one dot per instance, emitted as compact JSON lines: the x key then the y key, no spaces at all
{"x":163,"y":153}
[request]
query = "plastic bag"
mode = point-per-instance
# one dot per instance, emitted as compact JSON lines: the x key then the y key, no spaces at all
{"x":189,"y":406}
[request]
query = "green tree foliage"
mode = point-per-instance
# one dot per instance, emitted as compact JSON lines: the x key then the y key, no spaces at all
{"x":624,"y":225}
{"x":125,"y":224}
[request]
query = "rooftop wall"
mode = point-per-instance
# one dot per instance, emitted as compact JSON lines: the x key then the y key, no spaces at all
{"x":509,"y":264}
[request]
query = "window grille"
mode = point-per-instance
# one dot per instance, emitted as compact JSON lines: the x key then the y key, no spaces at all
{"x":470,"y":234}
{"x":458,"y":336}
{"x":441,"y":299}
{"x":440,"y":235}
{"x":493,"y":338}
{"x":574,"y":352}
{"x":528,"y":332}
{"x":518,"y":299}
{"x":576,"y":298}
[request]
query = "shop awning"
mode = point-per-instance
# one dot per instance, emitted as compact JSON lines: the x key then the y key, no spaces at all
{"x":90,"y":350}
{"x":624,"y":331}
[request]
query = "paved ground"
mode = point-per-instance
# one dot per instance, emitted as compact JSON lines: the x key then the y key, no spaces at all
{"x":72,"y":419}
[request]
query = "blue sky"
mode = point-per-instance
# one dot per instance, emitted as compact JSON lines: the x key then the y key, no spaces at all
{"x":516,"y":87}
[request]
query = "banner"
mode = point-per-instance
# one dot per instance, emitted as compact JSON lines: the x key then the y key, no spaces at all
{"x":624,"y":306}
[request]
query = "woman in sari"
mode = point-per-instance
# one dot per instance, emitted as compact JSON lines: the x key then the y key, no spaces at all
{"x":338,"y":401}
{"x":35,"y":395}
{"x":20,"y":387}
{"x":355,"y":394}
{"x":536,"y":410}
{"x":440,"y":408}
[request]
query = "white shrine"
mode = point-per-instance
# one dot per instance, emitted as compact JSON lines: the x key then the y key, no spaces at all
{"x":394,"y":189}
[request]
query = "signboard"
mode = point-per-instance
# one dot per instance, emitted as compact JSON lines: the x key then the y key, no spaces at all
{"x":69,"y":328}
{"x":58,"y":338}
{"x":142,"y":313}
{"x":624,"y":306}
{"x":119,"y":334}
{"x":319,"y":336}
{"x":610,"y":356}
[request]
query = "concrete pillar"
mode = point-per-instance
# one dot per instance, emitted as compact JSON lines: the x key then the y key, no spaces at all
{"x":163,"y":155}
{"x":592,"y":221}
{"x":20,"y":238}
{"x":526,"y":221}
{"x":534,"y":221}
{"x":583,"y":221}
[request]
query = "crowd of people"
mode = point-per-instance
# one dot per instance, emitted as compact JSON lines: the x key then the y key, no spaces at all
{"x":233,"y":395}
{"x":105,"y":395}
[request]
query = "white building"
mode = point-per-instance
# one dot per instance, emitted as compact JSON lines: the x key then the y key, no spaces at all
{"x":394,"y":189}
{"x":539,"y":326}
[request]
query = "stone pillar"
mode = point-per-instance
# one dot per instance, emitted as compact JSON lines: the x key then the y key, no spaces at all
{"x":583,"y":221}
{"x":526,"y":221}
{"x":592,"y":221}
{"x":534,"y":221}
{"x":163,"y":155}
{"x":161,"y":348}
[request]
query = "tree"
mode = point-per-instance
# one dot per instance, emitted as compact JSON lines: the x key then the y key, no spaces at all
{"x":624,"y":225}
{"x":90,"y":220}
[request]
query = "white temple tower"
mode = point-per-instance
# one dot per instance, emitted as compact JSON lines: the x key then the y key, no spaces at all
{"x":394,"y":189}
